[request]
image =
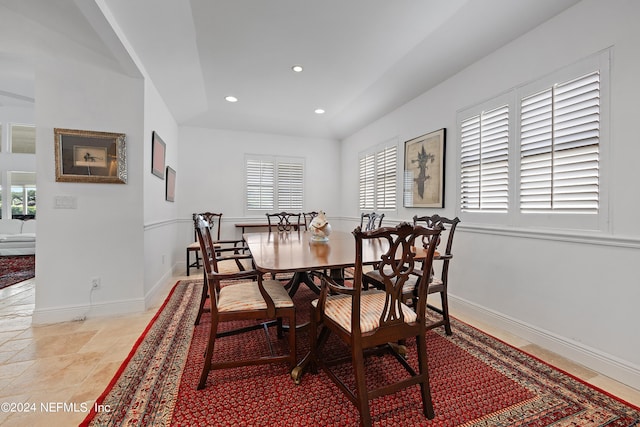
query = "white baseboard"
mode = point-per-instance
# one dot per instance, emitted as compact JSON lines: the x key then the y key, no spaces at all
{"x":599,"y":361}
{"x":82,"y":312}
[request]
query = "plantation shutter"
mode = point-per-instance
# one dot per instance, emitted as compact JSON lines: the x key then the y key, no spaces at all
{"x":484,"y":168}
{"x":367,"y":187}
{"x":260,"y":184}
{"x":386,"y":161}
{"x":290,"y":186}
{"x":559,"y":147}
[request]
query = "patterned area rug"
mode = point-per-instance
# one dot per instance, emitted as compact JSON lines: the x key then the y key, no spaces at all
{"x":476,"y":380}
{"x":14,"y":269}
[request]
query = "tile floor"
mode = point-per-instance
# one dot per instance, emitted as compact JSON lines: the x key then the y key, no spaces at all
{"x":73,"y":362}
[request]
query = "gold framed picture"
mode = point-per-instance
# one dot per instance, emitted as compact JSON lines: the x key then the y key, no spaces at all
{"x":89,"y":156}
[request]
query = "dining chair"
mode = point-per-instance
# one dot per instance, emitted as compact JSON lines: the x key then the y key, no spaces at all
{"x":376,"y":319}
{"x":238,"y":296}
{"x":215,"y":221}
{"x":371,"y":221}
{"x":438,"y":284}
{"x":308,"y":217}
{"x":283,"y":221}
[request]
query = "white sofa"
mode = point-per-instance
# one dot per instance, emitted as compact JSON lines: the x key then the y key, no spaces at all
{"x":17,"y":237}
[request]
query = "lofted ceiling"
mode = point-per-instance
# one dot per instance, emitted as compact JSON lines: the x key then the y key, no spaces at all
{"x":361,"y":58}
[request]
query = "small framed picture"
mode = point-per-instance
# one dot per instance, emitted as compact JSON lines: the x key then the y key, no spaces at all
{"x":88,"y":156}
{"x":424,"y":171}
{"x":171,"y":185}
{"x":158,"y":154}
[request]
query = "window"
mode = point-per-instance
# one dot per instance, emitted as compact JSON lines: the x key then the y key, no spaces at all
{"x":484,"y":161}
{"x":23,"y":194}
{"x":378,"y":172}
{"x":23,"y":139}
{"x":534,"y":156}
{"x":559,"y":147}
{"x":274,"y":183}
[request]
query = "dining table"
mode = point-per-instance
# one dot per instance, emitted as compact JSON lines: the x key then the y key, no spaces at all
{"x":298,"y":253}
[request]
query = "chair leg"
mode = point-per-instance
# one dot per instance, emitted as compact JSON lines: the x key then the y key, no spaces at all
{"x":209,"y":354}
{"x":445,"y":312}
{"x":361,"y":387}
{"x":293,"y":354}
{"x":188,"y":262}
{"x":425,"y":388}
{"x":203,"y":298}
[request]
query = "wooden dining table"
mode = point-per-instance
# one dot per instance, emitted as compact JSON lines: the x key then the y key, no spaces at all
{"x":296,"y":252}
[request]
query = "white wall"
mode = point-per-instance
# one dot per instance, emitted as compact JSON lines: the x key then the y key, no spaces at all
{"x":212,"y":178}
{"x":103,"y":237}
{"x":576,"y":294}
{"x":161,"y":249}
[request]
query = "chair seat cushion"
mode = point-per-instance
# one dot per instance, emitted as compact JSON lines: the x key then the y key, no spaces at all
{"x":246,"y":296}
{"x":338,"y":309}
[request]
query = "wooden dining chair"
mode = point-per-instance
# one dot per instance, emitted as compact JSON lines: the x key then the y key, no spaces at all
{"x":243,"y":296}
{"x":438,"y":283}
{"x":284,"y":221}
{"x":371,"y":221}
{"x":223,"y":246}
{"x":308,"y":217}
{"x":373,"y":319}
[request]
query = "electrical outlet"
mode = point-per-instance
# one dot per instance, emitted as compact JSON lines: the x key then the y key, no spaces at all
{"x":95,"y":282}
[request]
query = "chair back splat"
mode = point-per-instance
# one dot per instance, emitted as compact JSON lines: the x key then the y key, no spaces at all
{"x":371,"y":221}
{"x":377,"y":320}
{"x":284,"y":221}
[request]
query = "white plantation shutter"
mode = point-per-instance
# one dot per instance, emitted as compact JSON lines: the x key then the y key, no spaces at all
{"x":290,"y":182}
{"x":274,"y":183}
{"x":386,"y":161}
{"x":367,"y":180}
{"x":377,"y":179}
{"x":559,"y":144}
{"x":484,"y":169}
{"x":260,"y":184}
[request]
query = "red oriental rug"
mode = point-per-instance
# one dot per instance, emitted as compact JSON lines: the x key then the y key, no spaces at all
{"x":14,"y":269}
{"x":476,"y":380}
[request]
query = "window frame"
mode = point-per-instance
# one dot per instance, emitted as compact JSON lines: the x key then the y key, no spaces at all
{"x":277,"y":191}
{"x":554,"y":219}
{"x":380,"y":204}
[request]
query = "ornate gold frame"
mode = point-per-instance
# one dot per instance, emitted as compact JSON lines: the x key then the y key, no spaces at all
{"x":104,"y":149}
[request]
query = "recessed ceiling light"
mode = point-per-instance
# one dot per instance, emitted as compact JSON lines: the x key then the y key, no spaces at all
{"x":231,"y":98}
{"x":297,"y":68}
{"x":319,"y":111}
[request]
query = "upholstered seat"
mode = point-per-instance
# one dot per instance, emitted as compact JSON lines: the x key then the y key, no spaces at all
{"x":246,"y":296}
{"x":338,"y":308}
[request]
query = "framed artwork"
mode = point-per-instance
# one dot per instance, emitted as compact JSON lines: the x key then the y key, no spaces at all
{"x":88,"y":156}
{"x":171,"y":185}
{"x":158,"y":153}
{"x":424,"y":171}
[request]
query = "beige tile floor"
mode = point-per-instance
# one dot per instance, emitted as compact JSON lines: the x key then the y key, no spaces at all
{"x":73,"y":362}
